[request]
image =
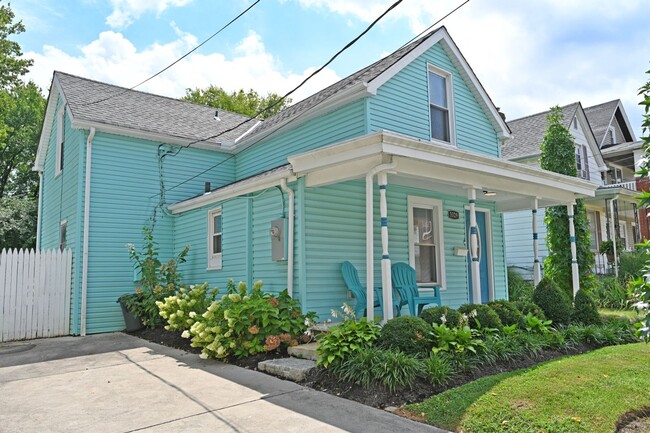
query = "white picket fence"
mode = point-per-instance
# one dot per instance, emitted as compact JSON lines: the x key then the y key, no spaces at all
{"x":34,"y":293}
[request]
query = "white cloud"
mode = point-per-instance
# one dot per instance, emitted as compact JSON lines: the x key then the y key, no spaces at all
{"x":114,"y":59}
{"x":125,"y":12}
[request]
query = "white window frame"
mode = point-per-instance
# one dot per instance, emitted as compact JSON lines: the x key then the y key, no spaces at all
{"x":612,"y":130}
{"x":431,"y":69}
{"x":215,"y":260}
{"x":488,"y":249}
{"x":575,"y":122}
{"x":60,"y":138}
{"x":63,"y":234}
{"x":436,"y":205}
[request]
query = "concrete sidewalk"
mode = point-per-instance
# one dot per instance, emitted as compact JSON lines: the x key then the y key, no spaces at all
{"x":118,"y":383}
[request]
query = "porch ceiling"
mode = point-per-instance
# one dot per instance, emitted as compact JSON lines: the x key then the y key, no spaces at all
{"x":442,"y":169}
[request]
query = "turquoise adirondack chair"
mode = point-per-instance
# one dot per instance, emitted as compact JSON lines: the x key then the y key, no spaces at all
{"x":351,"y":278}
{"x":404,"y":280}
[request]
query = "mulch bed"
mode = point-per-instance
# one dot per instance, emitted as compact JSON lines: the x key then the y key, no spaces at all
{"x":636,"y":421}
{"x":375,"y":396}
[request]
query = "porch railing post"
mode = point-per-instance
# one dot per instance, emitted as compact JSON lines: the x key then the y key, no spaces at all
{"x":386,"y":282}
{"x":537,"y":269}
{"x":574,"y":255}
{"x":615,"y":235}
{"x":473,"y":247}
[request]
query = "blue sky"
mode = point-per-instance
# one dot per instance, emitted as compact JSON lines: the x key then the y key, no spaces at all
{"x":529,"y":55}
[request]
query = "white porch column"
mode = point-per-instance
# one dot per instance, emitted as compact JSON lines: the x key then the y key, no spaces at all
{"x":537,"y":269}
{"x":386,"y":282}
{"x":473,"y":247}
{"x":370,"y":268}
{"x":614,"y":234}
{"x":574,"y":258}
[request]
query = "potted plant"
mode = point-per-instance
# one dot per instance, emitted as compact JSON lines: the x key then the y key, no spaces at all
{"x":607,"y":248}
{"x":129,"y":305}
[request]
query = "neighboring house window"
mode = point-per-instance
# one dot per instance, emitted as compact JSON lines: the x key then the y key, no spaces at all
{"x":440,"y":105}
{"x":63,"y":235}
{"x":426,"y":240}
{"x":594,"y":229}
{"x":60,"y":140}
{"x":582,"y":162}
{"x":575,"y":122}
{"x":611,"y":135}
{"x":215,"y":239}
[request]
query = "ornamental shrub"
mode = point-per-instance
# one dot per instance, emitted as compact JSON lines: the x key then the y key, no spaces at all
{"x":481,"y":316}
{"x":518,"y":288}
{"x":185,"y":307}
{"x":585,"y":310}
{"x":408,"y":334}
{"x":442,"y":316}
{"x":346,"y":339}
{"x":530,"y":307}
{"x":508,"y":312}
{"x":553,"y":301}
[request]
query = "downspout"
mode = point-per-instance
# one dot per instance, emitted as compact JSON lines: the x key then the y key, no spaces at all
{"x":40,"y":208}
{"x":292,"y":201}
{"x":370,"y":271}
{"x":84,"y":269}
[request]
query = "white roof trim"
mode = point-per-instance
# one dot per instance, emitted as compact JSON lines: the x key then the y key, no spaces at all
{"x":48,"y":121}
{"x":464,"y":69}
{"x":591,"y":138}
{"x":261,"y":181}
{"x":627,"y":121}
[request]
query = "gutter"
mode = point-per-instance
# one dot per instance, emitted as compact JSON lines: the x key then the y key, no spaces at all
{"x":292,"y":201}
{"x":84,"y":269}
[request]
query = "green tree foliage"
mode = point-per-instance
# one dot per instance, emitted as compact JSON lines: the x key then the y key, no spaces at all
{"x":558,"y":155}
{"x":18,"y":222}
{"x":12,"y":66}
{"x":247,"y":103}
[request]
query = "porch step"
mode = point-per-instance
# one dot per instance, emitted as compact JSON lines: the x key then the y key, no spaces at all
{"x":304,"y":351}
{"x":289,"y":368}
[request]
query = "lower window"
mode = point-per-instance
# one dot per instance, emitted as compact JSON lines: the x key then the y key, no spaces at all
{"x":426,"y":240}
{"x":215,"y":247}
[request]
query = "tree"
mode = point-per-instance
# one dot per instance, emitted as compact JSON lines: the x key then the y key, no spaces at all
{"x":558,"y":155}
{"x":247,"y":103}
{"x":12,"y":66}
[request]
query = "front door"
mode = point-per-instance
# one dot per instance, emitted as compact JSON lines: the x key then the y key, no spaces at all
{"x":482,"y":223}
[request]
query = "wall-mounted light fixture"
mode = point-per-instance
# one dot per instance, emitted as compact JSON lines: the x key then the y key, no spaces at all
{"x":489,"y":193}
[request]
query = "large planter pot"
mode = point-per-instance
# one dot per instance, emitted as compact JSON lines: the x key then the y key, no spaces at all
{"x":132,"y":322}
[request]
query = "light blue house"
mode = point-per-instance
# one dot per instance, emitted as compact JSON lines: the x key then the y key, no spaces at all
{"x":399,"y":162}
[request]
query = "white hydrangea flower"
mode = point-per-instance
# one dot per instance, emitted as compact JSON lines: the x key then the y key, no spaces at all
{"x":443,"y":319}
{"x":203,"y":355}
{"x":185,"y":334}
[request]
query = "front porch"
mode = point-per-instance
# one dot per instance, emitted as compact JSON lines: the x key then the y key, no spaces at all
{"x":434,"y":207}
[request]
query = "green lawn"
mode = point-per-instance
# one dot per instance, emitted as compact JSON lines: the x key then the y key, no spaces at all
{"x":573,"y":394}
{"x":623,"y":314}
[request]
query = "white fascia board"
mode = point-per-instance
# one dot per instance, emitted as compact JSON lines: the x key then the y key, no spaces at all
{"x":238,"y":139}
{"x":144,"y":135}
{"x":337,"y":100}
{"x":591,"y":139}
{"x":48,"y":121}
{"x":466,"y":72}
{"x":262,"y":181}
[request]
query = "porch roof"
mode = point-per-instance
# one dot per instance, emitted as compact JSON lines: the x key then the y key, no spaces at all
{"x":608,"y":192}
{"x":510,"y":185}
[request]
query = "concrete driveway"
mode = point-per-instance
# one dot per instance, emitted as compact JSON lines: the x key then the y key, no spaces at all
{"x":118,"y":383}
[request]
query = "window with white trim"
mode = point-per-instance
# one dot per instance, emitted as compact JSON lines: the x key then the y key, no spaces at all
{"x":426,"y":240}
{"x":582,"y":161}
{"x":215,"y":239}
{"x":440,"y":105}
{"x":60,"y":140}
{"x":63,"y":235}
{"x":611,"y":135}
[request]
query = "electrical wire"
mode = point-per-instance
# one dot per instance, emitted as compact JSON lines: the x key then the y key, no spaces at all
{"x":434,"y":24}
{"x":177,"y":60}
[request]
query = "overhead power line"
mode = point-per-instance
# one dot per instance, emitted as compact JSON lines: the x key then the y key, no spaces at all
{"x":177,"y":60}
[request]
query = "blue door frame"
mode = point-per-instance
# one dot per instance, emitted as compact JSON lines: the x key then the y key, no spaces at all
{"x":481,"y":222}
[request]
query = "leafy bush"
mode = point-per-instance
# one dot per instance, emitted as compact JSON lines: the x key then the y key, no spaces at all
{"x":530,"y":307}
{"x":243,"y":324}
{"x":534,"y":324}
{"x":455,"y":340}
{"x":345,"y":340}
{"x":508,"y":312}
{"x":186,"y":306}
{"x":518,"y":288}
{"x":439,"y":368}
{"x":442,"y":316}
{"x":407,"y":334}
{"x":609,"y":292}
{"x":631,"y":264}
{"x":585,"y":310}
{"x":481,"y":316}
{"x":394,"y":370}
{"x":553,"y":301}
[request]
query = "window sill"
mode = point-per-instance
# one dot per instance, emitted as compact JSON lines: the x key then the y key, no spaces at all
{"x":442,"y":143}
{"x":214,"y":268}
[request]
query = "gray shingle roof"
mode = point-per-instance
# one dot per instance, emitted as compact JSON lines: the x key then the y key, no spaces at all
{"x":599,"y":117}
{"x":146,"y":112}
{"x":528,"y":133}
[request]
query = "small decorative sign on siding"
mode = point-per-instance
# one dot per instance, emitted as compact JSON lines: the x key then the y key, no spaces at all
{"x":453,"y":214}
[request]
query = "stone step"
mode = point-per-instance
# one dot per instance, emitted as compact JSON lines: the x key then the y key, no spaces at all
{"x":289,"y":368}
{"x":304,"y":351}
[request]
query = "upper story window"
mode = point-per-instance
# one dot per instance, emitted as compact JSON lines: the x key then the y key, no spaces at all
{"x":611,"y":135}
{"x":582,"y":162}
{"x":440,"y":105}
{"x":60,"y":140}
{"x":575,"y":122}
{"x":215,"y":239}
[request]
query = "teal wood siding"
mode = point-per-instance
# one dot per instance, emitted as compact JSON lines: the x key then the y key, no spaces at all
{"x":402,"y":105}
{"x":335,"y":231}
{"x":519,"y":240}
{"x":125,"y":187}
{"x":60,"y":196}
{"x":339,"y":125}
